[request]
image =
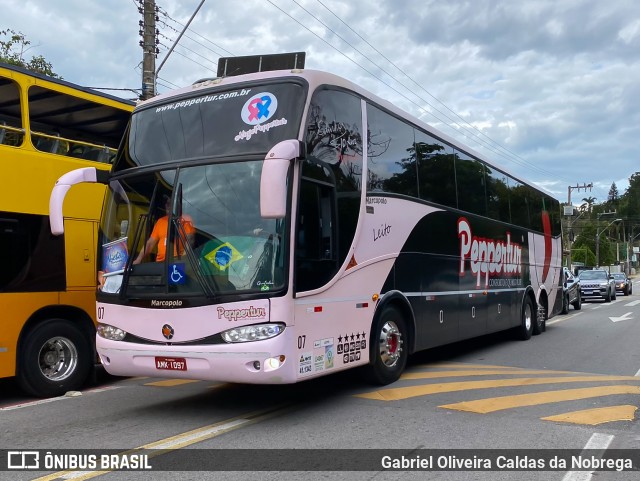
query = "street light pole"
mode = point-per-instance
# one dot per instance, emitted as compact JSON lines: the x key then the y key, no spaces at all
{"x":630,"y":250}
{"x":570,"y":223}
{"x":598,"y":232}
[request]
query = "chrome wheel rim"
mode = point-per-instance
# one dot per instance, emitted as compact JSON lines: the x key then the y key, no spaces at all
{"x":528,"y":317}
{"x":58,"y":358}
{"x":390,"y":344}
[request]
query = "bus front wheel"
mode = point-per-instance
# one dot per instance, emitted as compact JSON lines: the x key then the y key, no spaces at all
{"x":389,"y":347}
{"x":56,"y":358}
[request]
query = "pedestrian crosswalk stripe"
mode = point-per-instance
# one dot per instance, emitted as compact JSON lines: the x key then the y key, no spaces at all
{"x":396,"y":394}
{"x":593,"y":417}
{"x":489,"y":405}
{"x":462,"y":365}
{"x":473,"y":372}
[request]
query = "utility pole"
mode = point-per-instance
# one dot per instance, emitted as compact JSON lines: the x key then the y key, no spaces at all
{"x":598,"y":232}
{"x":570,"y":213}
{"x":577,"y":187}
{"x":149,"y":44}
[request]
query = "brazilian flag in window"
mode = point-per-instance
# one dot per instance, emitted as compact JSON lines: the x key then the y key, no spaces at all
{"x":220,"y":255}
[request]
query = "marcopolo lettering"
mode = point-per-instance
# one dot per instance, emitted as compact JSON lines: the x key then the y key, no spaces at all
{"x":167,"y":303}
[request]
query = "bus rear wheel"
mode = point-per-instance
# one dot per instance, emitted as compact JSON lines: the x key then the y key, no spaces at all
{"x":527,"y":318}
{"x":388,"y":350}
{"x":56,"y":358}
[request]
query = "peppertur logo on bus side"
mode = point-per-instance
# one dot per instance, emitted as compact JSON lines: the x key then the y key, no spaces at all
{"x":487,"y":257}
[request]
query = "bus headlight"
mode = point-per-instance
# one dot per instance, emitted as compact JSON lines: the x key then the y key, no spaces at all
{"x":111,"y":332}
{"x":258,"y":332}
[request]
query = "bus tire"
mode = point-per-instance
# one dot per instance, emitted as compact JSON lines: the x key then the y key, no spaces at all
{"x":540,"y":321}
{"x":389,"y":351}
{"x":55,"y":358}
{"x":527,"y":317}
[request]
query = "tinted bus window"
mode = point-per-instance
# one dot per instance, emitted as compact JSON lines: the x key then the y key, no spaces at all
{"x":497,"y":195}
{"x":436,"y":170}
{"x":471,"y":184}
{"x":391,"y":154}
{"x":519,"y":200}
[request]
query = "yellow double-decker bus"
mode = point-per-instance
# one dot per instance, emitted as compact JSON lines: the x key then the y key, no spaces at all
{"x":48,"y":284}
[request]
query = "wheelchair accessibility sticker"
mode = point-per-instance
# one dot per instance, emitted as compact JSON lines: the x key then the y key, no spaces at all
{"x":177,"y":274}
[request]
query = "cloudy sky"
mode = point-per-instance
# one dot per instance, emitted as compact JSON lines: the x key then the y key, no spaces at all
{"x":547,"y":89}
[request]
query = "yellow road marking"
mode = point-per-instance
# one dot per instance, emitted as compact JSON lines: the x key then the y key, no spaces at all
{"x":592,"y":417}
{"x":467,"y":366}
{"x":489,"y":405}
{"x":395,"y":394}
{"x":179,"y":441}
{"x":171,"y":382}
{"x":474,"y":372}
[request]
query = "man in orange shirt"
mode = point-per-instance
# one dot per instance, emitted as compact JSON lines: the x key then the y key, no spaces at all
{"x":159,"y":236}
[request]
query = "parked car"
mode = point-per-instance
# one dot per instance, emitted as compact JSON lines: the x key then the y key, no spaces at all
{"x":597,"y":284}
{"x":623,"y":283}
{"x":571,"y":292}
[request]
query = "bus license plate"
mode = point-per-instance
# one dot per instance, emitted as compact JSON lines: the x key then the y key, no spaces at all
{"x":171,"y":363}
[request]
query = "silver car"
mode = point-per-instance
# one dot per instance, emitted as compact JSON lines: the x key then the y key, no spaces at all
{"x":597,"y":284}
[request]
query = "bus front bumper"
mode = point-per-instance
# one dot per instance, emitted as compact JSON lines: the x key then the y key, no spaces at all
{"x":260,"y":362}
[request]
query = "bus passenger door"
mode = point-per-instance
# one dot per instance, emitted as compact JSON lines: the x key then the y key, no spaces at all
{"x":80,"y":253}
{"x":315,"y":252}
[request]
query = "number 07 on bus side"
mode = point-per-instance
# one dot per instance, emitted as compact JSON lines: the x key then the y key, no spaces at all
{"x":171,"y":363}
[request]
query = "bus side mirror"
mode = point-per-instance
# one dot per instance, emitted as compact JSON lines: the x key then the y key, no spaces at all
{"x":273,"y":181}
{"x":63,"y":184}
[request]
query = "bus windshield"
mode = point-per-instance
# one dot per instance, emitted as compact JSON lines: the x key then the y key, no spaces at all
{"x":210,"y":233}
{"x":197,"y":230}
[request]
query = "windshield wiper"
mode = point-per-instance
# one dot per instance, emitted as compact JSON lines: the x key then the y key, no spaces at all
{"x":205,"y":285}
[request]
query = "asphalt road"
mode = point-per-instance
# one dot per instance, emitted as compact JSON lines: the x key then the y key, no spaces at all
{"x":576,"y":386}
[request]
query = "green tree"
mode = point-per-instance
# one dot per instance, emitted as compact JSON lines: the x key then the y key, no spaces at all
{"x":630,"y":200}
{"x":588,"y":204}
{"x":585,"y":246}
{"x":14,"y":46}
{"x":613,"y":198}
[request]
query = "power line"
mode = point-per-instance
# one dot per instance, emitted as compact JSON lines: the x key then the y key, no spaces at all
{"x":164,"y":12}
{"x":419,"y":85}
{"x":192,"y":60}
{"x":510,"y":156}
{"x":475,"y":139}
